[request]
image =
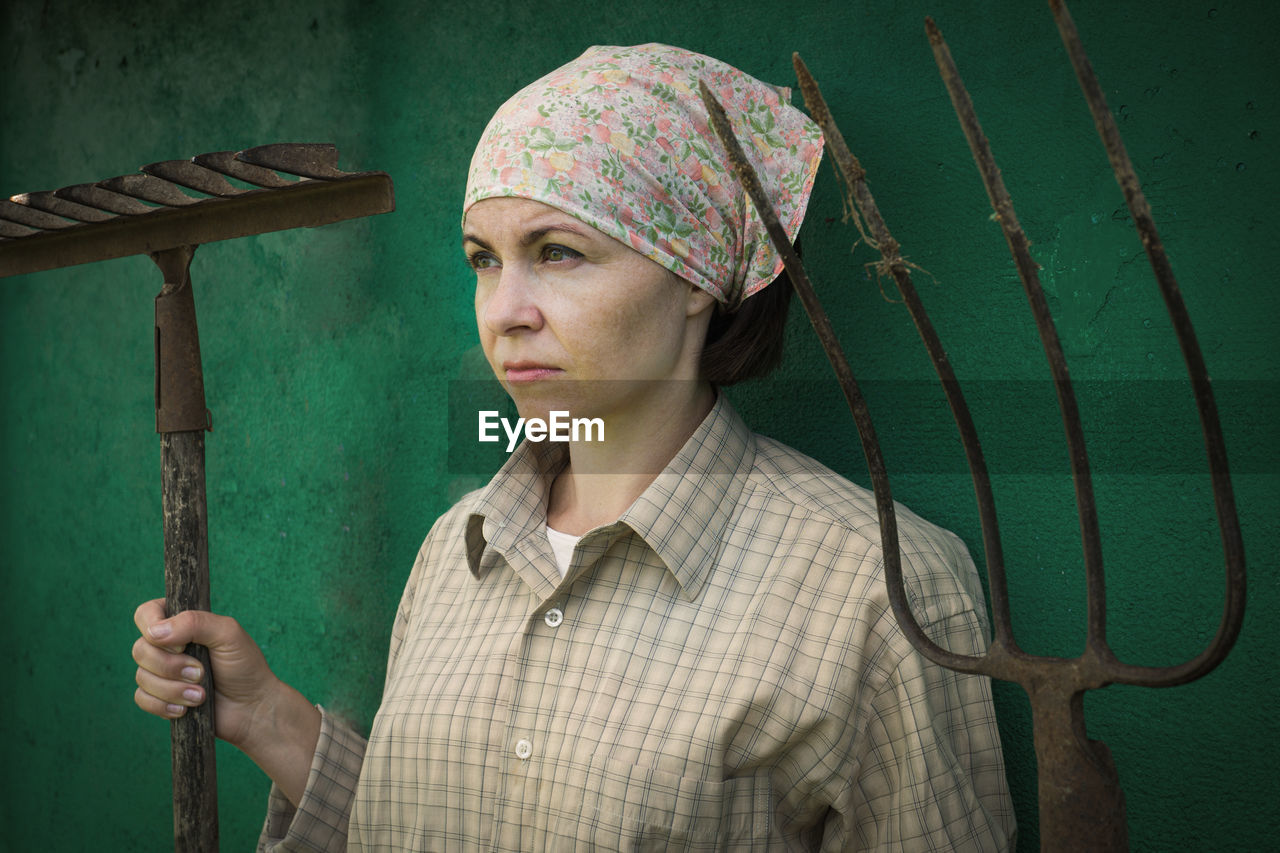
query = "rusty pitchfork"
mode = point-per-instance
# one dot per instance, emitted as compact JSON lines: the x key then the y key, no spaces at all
{"x":1081,"y":802}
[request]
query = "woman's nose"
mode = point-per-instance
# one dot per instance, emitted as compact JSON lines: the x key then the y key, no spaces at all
{"x":510,"y":305}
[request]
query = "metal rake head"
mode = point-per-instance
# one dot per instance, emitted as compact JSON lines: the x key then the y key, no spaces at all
{"x":152,"y":211}
{"x":1079,"y":789}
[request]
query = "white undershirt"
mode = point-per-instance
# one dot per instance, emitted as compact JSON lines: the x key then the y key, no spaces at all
{"x":562,"y":545}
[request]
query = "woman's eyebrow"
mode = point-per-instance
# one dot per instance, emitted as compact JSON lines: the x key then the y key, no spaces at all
{"x":471,"y":238}
{"x":538,"y":233}
{"x":531,"y":237}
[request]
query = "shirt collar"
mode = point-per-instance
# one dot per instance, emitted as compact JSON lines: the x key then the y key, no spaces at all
{"x":681,"y":515}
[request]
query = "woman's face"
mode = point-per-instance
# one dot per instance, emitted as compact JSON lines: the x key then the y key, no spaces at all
{"x":570,"y":319}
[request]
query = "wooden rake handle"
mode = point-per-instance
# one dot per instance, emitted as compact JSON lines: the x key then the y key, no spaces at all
{"x":181,"y":420}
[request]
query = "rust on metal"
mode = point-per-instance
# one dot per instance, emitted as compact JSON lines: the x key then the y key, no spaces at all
{"x":1081,"y":800}
{"x":180,"y":402}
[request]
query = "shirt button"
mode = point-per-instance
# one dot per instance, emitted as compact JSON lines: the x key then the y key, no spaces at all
{"x":524,"y":749}
{"x":553,"y":617}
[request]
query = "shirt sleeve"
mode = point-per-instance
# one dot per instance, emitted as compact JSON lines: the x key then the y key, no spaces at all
{"x":319,"y":823}
{"x":932,"y":769}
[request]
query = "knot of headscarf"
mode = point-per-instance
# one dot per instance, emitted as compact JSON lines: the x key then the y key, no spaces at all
{"x":620,"y":139}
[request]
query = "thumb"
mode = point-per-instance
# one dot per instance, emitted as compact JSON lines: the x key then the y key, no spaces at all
{"x":194,"y":626}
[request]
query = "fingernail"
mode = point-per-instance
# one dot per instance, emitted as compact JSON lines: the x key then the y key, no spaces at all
{"x":175,"y":710}
{"x":160,"y":630}
{"x":193,"y":693}
{"x":191,"y":673}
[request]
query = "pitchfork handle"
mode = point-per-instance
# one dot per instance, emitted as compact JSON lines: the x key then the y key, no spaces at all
{"x":181,"y":420}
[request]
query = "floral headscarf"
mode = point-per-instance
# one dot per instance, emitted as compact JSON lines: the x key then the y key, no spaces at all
{"x":619,"y":139}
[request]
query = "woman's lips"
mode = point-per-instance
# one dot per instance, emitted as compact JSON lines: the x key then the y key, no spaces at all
{"x":519,"y":371}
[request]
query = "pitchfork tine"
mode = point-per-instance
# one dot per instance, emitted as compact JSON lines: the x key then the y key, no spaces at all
{"x":1215,"y":446}
{"x":864,"y":204}
{"x":826,"y":335}
{"x":1019,"y":247}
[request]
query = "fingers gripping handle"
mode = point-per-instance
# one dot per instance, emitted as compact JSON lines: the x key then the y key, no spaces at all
{"x":181,"y":419}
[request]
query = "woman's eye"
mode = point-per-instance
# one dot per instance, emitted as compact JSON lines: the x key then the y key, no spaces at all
{"x":556,"y":253}
{"x":482,"y":261}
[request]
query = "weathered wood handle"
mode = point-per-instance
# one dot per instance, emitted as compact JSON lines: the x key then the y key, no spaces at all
{"x":186,"y":581}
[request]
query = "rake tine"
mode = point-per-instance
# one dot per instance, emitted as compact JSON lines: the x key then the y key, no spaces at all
{"x":50,"y":203}
{"x":12,"y":230}
{"x":187,"y":174}
{"x":1002,"y":204}
{"x":1215,"y":446}
{"x":304,"y":159}
{"x":855,"y":180}
{"x":148,"y":188}
{"x":92,"y":195}
{"x":13,"y":211}
{"x":226,"y":163}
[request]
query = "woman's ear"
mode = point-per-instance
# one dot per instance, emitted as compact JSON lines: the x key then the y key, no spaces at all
{"x":697,"y":300}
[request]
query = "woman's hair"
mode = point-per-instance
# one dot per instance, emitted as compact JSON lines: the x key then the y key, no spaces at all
{"x":747,"y":344}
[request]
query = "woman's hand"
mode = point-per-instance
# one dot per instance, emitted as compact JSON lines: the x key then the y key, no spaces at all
{"x":253,"y":710}
{"x":169,"y":681}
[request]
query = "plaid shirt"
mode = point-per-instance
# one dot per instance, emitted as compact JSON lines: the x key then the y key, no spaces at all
{"x":719,"y":670}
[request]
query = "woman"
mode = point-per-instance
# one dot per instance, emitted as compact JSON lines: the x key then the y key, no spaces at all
{"x":675,"y":638}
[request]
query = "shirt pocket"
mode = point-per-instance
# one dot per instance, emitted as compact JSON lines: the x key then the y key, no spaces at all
{"x":635,"y":809}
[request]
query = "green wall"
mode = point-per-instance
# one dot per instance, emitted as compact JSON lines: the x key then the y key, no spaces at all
{"x":329,"y":354}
